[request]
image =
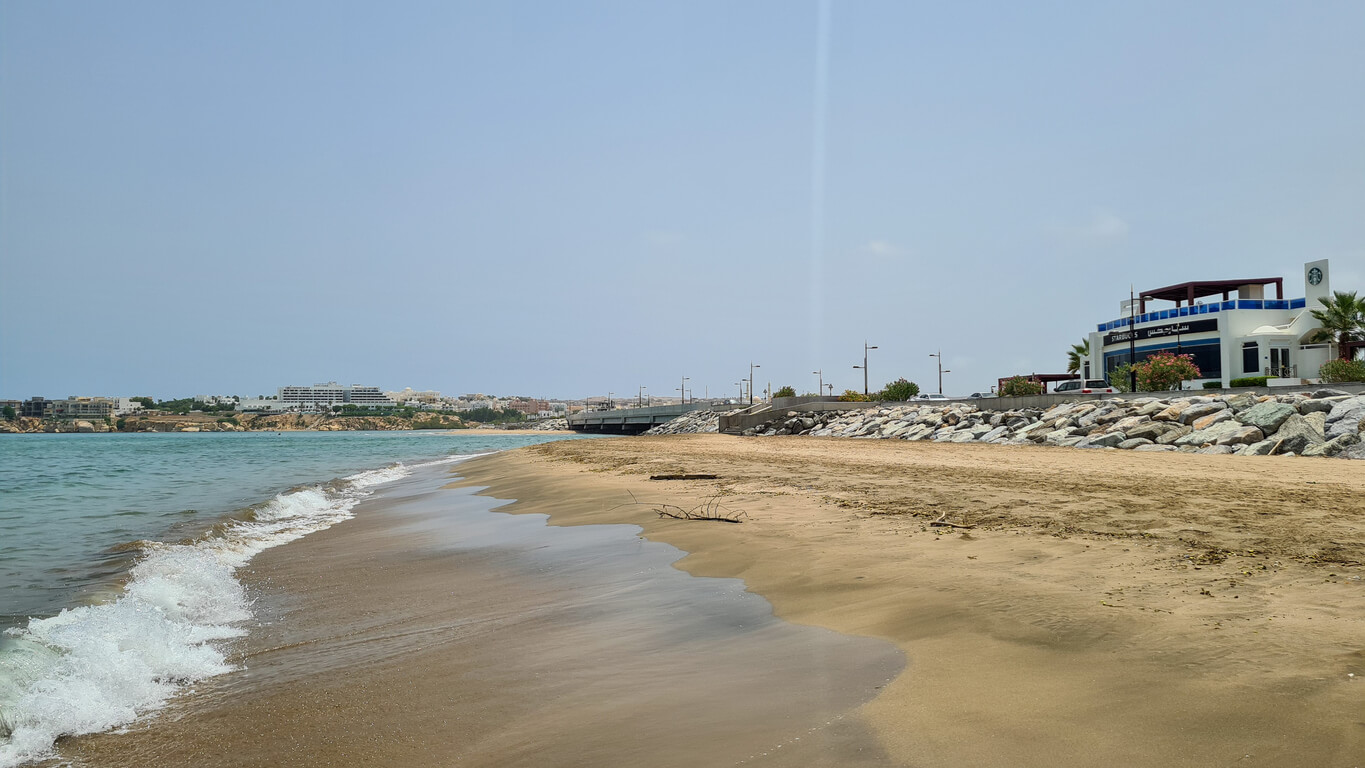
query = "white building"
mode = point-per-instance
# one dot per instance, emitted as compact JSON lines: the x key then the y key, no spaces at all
{"x":323,"y":396}
{"x":1228,"y":337}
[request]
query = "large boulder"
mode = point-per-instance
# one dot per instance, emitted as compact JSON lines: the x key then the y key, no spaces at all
{"x":1331,"y":447}
{"x":1173,"y":435}
{"x":1315,"y":406}
{"x":1262,"y":448}
{"x":1200,"y":409}
{"x":1266,"y":417}
{"x":1135,"y":442}
{"x":1150,"y":430}
{"x":1204,"y":422}
{"x":1110,"y":440}
{"x":1216,"y":434}
{"x":1295,"y":435}
{"x":1345,"y":417}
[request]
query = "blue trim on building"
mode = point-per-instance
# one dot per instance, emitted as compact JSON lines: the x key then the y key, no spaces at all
{"x":1203,"y":309}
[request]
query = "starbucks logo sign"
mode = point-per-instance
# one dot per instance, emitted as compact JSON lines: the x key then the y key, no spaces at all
{"x":1314,"y":276}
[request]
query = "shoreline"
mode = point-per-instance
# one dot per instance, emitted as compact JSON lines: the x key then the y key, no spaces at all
{"x":425,"y":630}
{"x":1081,"y":624}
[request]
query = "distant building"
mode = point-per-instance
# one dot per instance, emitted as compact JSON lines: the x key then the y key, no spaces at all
{"x":324,"y":396}
{"x":70,"y":408}
{"x":1227,"y":337}
{"x":125,"y":405}
{"x":529,"y":407}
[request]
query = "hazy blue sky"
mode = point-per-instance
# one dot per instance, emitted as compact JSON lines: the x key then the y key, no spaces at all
{"x":566,"y":198}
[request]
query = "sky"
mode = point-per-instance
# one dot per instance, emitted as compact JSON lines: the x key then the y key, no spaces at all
{"x":570,"y":199}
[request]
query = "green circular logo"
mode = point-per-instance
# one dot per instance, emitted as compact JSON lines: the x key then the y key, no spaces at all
{"x":1314,"y":276}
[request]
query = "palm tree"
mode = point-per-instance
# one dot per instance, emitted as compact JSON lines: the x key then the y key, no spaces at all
{"x":1342,"y":319}
{"x":1078,"y":354}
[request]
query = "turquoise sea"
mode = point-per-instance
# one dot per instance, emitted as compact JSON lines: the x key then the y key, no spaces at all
{"x":118,"y":555}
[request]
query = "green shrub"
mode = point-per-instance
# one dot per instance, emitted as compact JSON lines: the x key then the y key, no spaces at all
{"x":899,"y":390}
{"x":1019,"y":386}
{"x":229,"y":420}
{"x":1249,"y":381}
{"x":9,"y":412}
{"x":1119,"y":378}
{"x":849,"y":396}
{"x":1213,"y":384}
{"x":1335,"y":371}
{"x":1165,"y":371}
{"x":785,"y":392}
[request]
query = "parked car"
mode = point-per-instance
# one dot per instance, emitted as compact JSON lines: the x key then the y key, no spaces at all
{"x":979,"y":395}
{"x":932,"y":396}
{"x":1084,"y":387}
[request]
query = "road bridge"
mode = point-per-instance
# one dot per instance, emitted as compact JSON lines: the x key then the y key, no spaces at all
{"x":630,"y":421}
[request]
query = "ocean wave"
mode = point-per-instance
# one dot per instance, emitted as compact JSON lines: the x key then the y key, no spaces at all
{"x":97,"y":667}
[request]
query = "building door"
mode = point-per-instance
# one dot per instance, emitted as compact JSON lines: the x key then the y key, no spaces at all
{"x":1279,"y":362}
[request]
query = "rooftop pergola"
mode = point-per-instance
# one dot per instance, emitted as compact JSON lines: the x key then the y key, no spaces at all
{"x":1188,"y":292}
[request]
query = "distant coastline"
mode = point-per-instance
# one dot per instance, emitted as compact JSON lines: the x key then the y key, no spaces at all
{"x":247,"y":422}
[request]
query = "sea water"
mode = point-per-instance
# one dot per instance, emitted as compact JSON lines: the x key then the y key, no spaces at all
{"x":118,"y":555}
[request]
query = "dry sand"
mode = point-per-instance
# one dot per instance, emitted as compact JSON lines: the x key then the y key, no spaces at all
{"x":1105,"y":608}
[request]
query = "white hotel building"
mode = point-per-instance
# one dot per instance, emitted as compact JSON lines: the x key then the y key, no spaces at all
{"x":1230,"y":337}
{"x":324,"y":396}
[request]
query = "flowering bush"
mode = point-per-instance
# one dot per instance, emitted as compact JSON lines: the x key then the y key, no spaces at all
{"x":1019,"y":386}
{"x":850,"y":396}
{"x":1342,"y":370}
{"x":1165,"y":370}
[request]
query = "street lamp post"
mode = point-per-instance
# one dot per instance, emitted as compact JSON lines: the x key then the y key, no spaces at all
{"x":752,"y":366}
{"x":609,"y":394}
{"x":820,"y":388}
{"x":866,"y":347}
{"x":682,"y":390}
{"x":640,"y":396}
{"x":939,"y":355}
{"x":740,"y":384}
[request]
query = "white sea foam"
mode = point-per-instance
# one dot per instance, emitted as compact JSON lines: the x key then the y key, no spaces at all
{"x":97,"y":667}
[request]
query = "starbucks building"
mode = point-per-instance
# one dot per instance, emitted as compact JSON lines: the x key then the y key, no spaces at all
{"x":1231,"y":328}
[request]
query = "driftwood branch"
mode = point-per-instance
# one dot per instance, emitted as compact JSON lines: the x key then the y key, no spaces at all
{"x":942,"y":523}
{"x":710,"y":509}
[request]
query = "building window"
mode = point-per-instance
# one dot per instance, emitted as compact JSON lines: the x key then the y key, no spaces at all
{"x":1251,"y":354}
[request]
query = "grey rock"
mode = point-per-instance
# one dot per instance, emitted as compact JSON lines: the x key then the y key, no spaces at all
{"x":1200,"y":409}
{"x":1150,"y":430}
{"x":1245,"y":435}
{"x":1110,"y":440}
{"x":1294,"y":435}
{"x":1154,"y":448}
{"x":1267,"y":416}
{"x":1318,"y":394}
{"x":1173,"y":435}
{"x":1346,"y":416}
{"x":1262,"y":448}
{"x":1135,"y":442}
{"x":1331,"y":447}
{"x":1315,"y":406}
{"x":1212,"y":435}
{"x":1217,"y":450}
{"x":1356,"y":451}
{"x":998,"y":432}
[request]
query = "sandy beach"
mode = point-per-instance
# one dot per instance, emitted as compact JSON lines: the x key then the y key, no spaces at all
{"x":1094,"y":608}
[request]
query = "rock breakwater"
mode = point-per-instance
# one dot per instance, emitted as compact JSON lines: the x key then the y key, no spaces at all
{"x":1325,"y":422}
{"x":690,"y":423}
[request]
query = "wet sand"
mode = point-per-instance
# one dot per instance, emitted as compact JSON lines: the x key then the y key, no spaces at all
{"x":430,"y":630}
{"x":1105,"y":607}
